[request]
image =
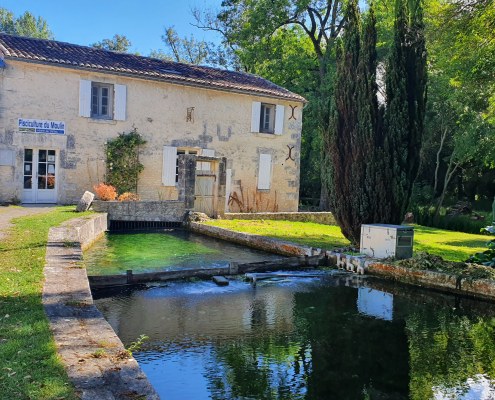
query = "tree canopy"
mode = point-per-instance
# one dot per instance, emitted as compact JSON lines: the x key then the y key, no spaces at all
{"x":25,"y":25}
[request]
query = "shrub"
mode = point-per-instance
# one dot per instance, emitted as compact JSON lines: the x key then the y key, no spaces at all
{"x":128,"y":196}
{"x":105,"y":192}
{"x":486,"y":258}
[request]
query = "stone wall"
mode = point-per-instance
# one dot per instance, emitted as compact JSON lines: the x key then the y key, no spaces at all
{"x":169,"y":211}
{"x":254,"y":241}
{"x":325,"y":218}
{"x":94,"y":357}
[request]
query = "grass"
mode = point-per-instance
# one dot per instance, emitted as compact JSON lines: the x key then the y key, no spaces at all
{"x":450,"y":245}
{"x":29,"y":365}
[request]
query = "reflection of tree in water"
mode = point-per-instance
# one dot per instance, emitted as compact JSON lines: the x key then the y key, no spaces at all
{"x":333,"y":353}
{"x":446,"y":349}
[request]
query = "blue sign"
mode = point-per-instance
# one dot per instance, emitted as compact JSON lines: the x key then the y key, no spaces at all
{"x":41,"y":126}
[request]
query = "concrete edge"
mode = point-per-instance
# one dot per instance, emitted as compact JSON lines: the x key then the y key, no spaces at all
{"x":254,"y":241}
{"x":94,"y":357}
{"x":451,"y":283}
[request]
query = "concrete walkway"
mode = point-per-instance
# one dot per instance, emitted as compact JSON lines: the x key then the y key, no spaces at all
{"x":7,"y":214}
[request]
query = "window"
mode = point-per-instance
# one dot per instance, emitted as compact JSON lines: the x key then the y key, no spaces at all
{"x":101,"y":100}
{"x":177,"y":161}
{"x":267,"y":118}
{"x":170,"y":166}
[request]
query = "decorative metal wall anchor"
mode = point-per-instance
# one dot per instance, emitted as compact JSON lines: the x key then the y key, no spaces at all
{"x":190,"y":114}
{"x":289,"y":157}
{"x":292,"y":109}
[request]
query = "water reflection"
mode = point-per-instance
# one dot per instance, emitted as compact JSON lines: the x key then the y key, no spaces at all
{"x":332,"y":338}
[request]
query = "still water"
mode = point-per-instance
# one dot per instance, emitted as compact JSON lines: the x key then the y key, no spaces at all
{"x":336,"y":337}
{"x":169,"y":249}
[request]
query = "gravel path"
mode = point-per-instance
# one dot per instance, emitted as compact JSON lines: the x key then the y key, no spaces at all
{"x":9,"y":213}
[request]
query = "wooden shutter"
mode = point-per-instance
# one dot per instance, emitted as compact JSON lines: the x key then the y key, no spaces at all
{"x":84,"y":98}
{"x":264,"y":171}
{"x":208,"y":152}
{"x":279,"y":120}
{"x":169,"y":165}
{"x":120,"y":102}
{"x":255,"y":116}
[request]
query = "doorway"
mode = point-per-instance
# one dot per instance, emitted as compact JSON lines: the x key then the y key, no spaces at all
{"x":40,"y":178}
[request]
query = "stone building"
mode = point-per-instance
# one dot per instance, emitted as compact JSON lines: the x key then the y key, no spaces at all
{"x":60,"y":103}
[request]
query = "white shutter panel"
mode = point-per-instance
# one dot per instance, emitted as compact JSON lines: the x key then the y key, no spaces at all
{"x":84,"y":98}
{"x":279,"y":120}
{"x":169,"y":164}
{"x":255,"y":116}
{"x":264,"y":171}
{"x":120,"y":102}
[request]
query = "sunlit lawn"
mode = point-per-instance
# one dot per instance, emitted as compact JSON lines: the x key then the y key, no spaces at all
{"x":453,"y":246}
{"x":29,"y":365}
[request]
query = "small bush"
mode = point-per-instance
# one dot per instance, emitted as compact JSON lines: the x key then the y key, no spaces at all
{"x":128,"y":196}
{"x":105,"y":192}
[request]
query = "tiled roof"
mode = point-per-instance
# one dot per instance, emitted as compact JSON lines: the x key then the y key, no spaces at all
{"x":88,"y":58}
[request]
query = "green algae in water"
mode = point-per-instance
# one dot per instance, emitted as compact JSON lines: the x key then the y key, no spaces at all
{"x":166,"y":250}
{"x":144,"y":252}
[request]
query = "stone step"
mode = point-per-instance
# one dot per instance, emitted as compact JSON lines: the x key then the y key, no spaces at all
{"x":220,"y":280}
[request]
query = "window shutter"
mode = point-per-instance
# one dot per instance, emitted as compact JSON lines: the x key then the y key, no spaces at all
{"x":255,"y":116}
{"x":279,"y":120}
{"x":119,"y":104}
{"x":169,"y":164}
{"x":84,"y":98}
{"x":265,"y":171}
{"x":208,"y":152}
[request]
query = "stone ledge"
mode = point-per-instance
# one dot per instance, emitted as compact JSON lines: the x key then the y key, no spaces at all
{"x":254,"y":241}
{"x":325,"y":218}
{"x":93,"y":355}
{"x":452,"y":283}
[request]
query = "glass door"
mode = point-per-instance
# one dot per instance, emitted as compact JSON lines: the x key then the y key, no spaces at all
{"x":40,"y":176}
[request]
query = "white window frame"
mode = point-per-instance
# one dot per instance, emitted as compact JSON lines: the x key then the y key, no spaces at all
{"x":267,"y":118}
{"x":97,"y":107}
{"x":271,"y":125}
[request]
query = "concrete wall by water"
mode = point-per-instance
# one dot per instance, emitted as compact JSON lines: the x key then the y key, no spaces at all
{"x":94,"y":357}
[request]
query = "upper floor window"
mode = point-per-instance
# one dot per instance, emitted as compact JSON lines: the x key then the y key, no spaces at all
{"x":267,"y":118}
{"x":101,"y":100}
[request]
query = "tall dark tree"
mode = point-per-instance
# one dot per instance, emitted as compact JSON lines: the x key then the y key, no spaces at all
{"x":355,"y":163}
{"x":373,"y":159}
{"x":405,"y":106}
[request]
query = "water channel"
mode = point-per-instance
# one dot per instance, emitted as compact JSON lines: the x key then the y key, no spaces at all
{"x":339,"y":336}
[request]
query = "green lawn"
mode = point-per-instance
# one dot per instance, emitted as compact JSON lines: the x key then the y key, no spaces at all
{"x":452,"y":246}
{"x":29,"y":366}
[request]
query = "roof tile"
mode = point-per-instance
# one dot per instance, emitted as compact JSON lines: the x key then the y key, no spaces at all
{"x":66,"y":54}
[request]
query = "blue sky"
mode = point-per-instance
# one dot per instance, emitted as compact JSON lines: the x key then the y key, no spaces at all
{"x":88,"y":21}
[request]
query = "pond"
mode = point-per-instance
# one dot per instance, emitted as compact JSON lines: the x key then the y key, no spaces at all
{"x":116,"y":253}
{"x":334,"y":337}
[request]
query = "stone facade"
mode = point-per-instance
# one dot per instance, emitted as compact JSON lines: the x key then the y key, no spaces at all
{"x":191,"y":118}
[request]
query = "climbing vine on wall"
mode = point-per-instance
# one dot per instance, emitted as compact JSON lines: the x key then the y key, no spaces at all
{"x":123,"y":166}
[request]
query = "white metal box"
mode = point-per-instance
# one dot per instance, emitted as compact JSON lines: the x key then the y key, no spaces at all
{"x":383,"y":241}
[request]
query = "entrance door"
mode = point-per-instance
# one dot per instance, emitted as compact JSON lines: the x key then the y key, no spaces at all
{"x":40,"y":176}
{"x":203,"y":194}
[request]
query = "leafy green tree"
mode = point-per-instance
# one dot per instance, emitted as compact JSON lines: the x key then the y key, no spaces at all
{"x":25,"y":25}
{"x":244,"y":24}
{"x":118,"y":43}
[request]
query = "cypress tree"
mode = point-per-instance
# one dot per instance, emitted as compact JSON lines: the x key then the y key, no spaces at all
{"x":343,"y":163}
{"x":405,"y":106}
{"x":373,"y":155}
